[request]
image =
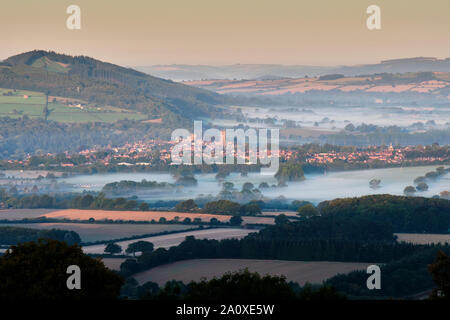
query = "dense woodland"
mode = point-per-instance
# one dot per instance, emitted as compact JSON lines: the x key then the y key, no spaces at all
{"x":15,"y":235}
{"x":402,"y":214}
{"x":132,"y":187}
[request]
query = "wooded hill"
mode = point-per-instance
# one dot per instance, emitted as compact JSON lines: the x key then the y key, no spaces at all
{"x":102,"y":83}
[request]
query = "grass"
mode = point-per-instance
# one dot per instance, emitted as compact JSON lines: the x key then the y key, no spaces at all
{"x":16,"y":106}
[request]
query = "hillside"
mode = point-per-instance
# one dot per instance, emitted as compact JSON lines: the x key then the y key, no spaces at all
{"x":105,"y":84}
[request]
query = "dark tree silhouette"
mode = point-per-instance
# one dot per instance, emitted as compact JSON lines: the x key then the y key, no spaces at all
{"x":38,"y":271}
{"x":440,"y":271}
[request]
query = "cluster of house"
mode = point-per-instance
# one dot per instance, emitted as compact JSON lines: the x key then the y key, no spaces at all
{"x":388,"y":155}
{"x":144,"y":153}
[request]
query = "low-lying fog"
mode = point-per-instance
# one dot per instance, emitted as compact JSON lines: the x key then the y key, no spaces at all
{"x":315,"y":188}
{"x":338,"y":117}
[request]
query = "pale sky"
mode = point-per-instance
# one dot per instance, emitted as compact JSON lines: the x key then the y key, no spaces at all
{"x":218,"y":32}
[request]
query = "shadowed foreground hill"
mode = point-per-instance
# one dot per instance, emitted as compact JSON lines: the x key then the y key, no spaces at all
{"x":38,"y":271}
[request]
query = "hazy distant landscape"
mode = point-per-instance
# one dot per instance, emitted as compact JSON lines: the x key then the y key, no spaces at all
{"x":85,"y":158}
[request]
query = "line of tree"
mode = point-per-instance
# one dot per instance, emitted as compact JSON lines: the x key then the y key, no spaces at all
{"x":225,"y":207}
{"x":130,"y":187}
{"x":233,"y":286}
{"x":249,"y":248}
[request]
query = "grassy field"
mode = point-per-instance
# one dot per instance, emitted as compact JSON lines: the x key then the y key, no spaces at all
{"x":17,"y":103}
{"x":297,"y":271}
{"x":102,"y":232}
{"x":174,"y":239}
{"x":423,"y":238}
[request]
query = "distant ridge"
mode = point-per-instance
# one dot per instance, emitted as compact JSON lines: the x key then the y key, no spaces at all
{"x":259,"y":71}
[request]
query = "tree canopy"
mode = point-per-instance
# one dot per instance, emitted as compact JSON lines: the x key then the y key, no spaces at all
{"x":38,"y":271}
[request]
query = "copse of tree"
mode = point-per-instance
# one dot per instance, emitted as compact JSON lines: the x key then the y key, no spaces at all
{"x":422,"y":186}
{"x":374,"y":183}
{"x":139,"y":246}
{"x":241,"y":286}
{"x":419,"y":180}
{"x":248,"y":186}
{"x":431,"y":175}
{"x":15,"y":235}
{"x":308,"y":211}
{"x":403,"y":214}
{"x":440,"y":272}
{"x":126,"y":186}
{"x":281,"y":219}
{"x":186,"y":181}
{"x":404,"y":277}
{"x":290,"y":172}
{"x":186,"y":206}
{"x":232,"y":208}
{"x":236,"y":220}
{"x":113,"y":248}
{"x":86,"y":201}
{"x":327,"y":228}
{"x":37,"y":271}
{"x":409,"y":190}
{"x":250,"y":209}
{"x":222,"y":207}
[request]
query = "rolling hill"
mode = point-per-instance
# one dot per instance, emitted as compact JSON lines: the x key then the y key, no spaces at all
{"x":104,"y":84}
{"x":432,"y":83}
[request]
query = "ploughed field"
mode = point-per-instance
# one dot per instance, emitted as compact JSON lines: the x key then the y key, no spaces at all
{"x":196,"y":269}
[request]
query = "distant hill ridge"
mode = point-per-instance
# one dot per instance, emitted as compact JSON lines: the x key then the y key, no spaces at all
{"x":258,"y":71}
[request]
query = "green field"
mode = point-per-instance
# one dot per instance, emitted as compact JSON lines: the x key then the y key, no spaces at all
{"x":13,"y":104}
